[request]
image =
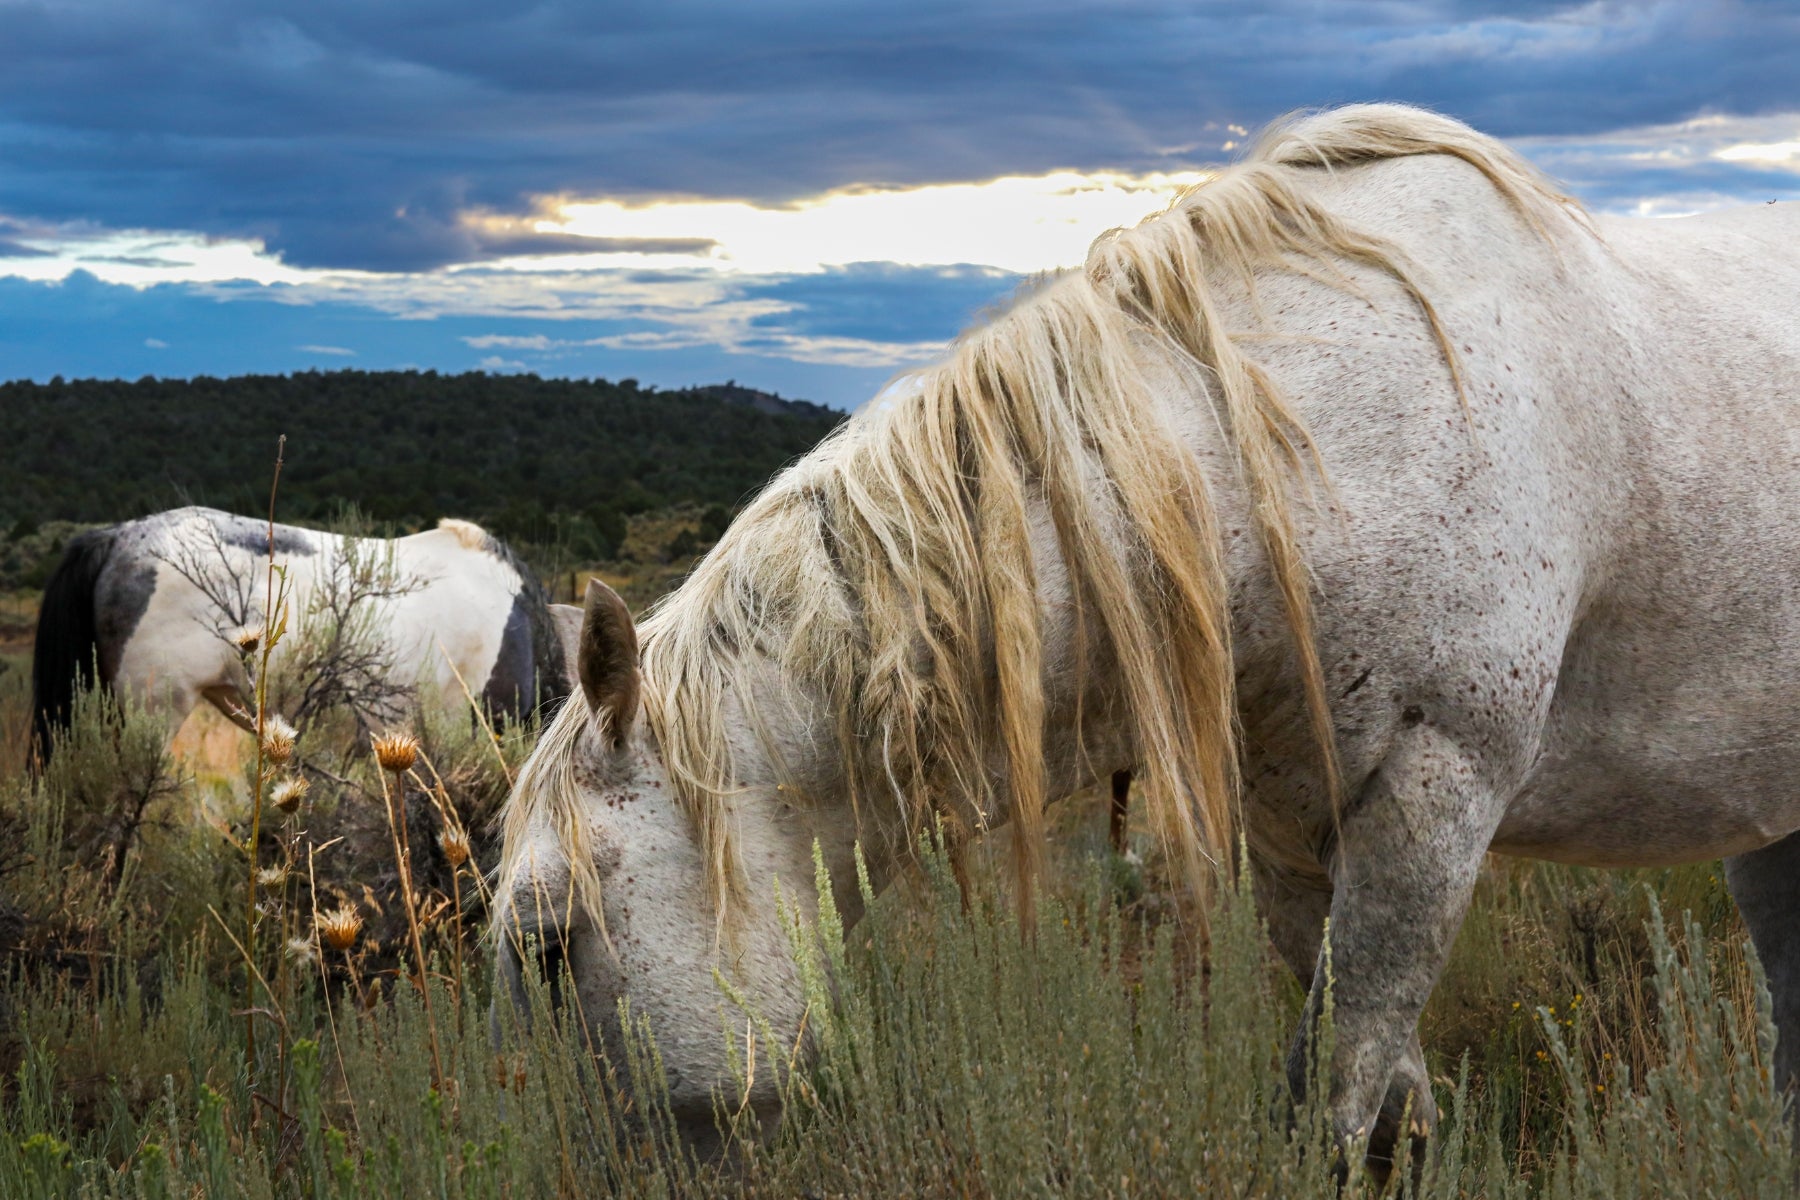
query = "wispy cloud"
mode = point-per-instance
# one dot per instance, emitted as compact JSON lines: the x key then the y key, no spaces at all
{"x":1679,"y":167}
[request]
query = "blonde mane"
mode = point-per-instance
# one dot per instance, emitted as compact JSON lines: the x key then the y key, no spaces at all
{"x":889,"y":574}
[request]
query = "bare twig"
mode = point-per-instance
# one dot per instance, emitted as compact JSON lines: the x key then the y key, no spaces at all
{"x":249,"y":962}
{"x":403,"y":860}
{"x":262,"y":689}
{"x":341,"y":781}
{"x":337,"y":1045}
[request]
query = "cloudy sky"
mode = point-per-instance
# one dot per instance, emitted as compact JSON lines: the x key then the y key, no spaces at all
{"x":802,"y":196}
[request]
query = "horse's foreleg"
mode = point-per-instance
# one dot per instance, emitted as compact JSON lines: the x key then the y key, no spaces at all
{"x":1766,"y":885}
{"x":1295,"y":907}
{"x":1409,"y":850}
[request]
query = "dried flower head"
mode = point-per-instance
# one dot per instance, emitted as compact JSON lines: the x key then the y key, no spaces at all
{"x":397,"y":752}
{"x":278,"y":739}
{"x":455,"y":845}
{"x":340,"y":926}
{"x":289,"y":792}
{"x":301,"y":950}
{"x":271,"y":877}
{"x":247,"y":639}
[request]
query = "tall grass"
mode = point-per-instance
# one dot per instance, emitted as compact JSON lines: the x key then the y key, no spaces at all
{"x":945,"y":1053}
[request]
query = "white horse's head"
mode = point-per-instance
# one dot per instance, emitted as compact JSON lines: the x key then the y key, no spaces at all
{"x":609,"y":883}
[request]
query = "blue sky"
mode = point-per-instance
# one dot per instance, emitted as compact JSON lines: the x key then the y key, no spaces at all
{"x":806,"y":197}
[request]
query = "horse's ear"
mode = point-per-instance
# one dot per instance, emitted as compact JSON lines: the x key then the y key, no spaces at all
{"x":607,"y":659}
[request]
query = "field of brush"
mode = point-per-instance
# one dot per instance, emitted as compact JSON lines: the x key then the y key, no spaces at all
{"x":1595,"y":1035}
{"x":204,"y":997}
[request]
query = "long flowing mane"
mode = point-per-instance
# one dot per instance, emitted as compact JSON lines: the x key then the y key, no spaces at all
{"x":890,"y":576}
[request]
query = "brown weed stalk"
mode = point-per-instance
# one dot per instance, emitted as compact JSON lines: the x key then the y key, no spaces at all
{"x":458,"y":850}
{"x":396,"y":753}
{"x":265,"y":645}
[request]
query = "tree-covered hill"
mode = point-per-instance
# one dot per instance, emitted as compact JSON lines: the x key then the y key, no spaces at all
{"x":533,"y":458}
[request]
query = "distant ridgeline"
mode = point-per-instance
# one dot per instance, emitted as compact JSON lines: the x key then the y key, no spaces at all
{"x":535,"y":459}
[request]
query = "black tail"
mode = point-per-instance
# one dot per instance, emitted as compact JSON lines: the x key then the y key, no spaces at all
{"x":68,"y":640}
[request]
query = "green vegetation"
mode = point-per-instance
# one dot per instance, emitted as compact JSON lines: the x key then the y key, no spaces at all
{"x":544,"y":462}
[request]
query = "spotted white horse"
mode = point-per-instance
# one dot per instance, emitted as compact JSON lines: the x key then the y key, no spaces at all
{"x":156,"y":605}
{"x":1374,"y":503}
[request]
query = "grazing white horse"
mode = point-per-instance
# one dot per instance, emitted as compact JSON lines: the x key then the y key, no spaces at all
{"x":159,"y":605}
{"x":1373,"y":503}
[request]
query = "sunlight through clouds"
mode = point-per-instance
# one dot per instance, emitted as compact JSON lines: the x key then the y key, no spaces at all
{"x":1768,"y":152}
{"x":1017,"y":224}
{"x":728,"y":286}
{"x":1021,"y":224}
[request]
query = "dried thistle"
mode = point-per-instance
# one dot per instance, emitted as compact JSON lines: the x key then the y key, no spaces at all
{"x":271,"y":877}
{"x":396,"y":752}
{"x":301,"y":951}
{"x":455,"y":845}
{"x":340,"y":927}
{"x":247,"y":639}
{"x":288,"y":794}
{"x":278,"y":739}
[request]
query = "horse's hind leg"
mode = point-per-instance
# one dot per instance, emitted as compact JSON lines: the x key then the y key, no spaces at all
{"x":1120,"y":810}
{"x":1766,"y":885}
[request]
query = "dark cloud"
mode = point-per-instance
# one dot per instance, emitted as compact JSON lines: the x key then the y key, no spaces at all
{"x":353,"y":134}
{"x":132,"y":260}
{"x":524,"y":244}
{"x":12,"y":247}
